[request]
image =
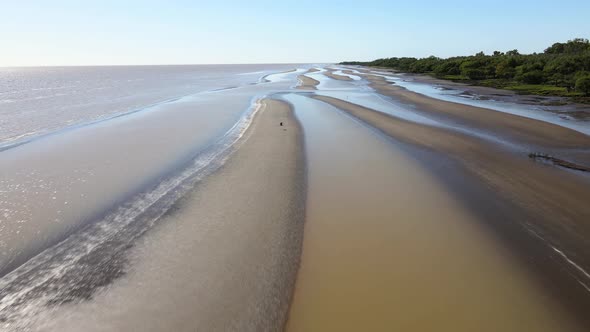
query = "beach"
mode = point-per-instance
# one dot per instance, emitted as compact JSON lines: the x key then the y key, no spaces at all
{"x":300,"y":198}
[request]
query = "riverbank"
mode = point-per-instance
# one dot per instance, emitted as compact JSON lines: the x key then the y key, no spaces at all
{"x":578,"y":108}
{"x":529,"y":134}
{"x":560,"y":70}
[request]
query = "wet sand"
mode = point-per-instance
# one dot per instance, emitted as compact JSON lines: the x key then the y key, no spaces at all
{"x":225,"y":257}
{"x":307,"y":83}
{"x":557,"y":104}
{"x":55,"y":185}
{"x":526,"y":130}
{"x":330,"y":74}
{"x":387,"y":247}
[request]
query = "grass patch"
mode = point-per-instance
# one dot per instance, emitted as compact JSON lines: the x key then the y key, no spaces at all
{"x":455,"y":77}
{"x":520,"y":88}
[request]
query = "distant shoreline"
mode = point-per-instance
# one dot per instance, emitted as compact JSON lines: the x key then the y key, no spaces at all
{"x":553,"y":104}
{"x":522,"y":90}
{"x":562,"y":69}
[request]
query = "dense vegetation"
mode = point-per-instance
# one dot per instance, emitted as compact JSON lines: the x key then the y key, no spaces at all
{"x":563,"y":69}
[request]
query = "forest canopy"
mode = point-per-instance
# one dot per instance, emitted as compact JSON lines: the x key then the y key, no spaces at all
{"x":562,"y":69}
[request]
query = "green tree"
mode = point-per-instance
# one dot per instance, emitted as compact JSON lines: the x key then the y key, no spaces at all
{"x":583,"y":85}
{"x":560,"y":65}
{"x":577,"y":45}
{"x":474,"y":74}
{"x":448,"y":68}
{"x":532,"y":77}
{"x":505,"y":70}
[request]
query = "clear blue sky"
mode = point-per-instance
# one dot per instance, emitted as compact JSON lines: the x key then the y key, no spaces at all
{"x":59,"y":32}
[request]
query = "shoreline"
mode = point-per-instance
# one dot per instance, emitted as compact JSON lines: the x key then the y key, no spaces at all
{"x":538,"y":135}
{"x":557,"y":104}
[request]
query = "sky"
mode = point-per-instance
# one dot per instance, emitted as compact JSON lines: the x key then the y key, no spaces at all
{"x":108,"y":32}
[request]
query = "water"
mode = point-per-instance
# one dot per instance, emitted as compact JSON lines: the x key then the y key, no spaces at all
{"x":456,"y":96}
{"x":58,"y":182}
{"x":39,"y":100}
{"x":93,"y":158}
{"x":353,"y":77}
{"x":386,"y":248}
{"x":375,"y":101}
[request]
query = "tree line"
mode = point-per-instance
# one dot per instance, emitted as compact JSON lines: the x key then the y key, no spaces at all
{"x":562,"y":69}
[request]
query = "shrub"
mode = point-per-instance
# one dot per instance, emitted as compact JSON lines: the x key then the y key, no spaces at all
{"x":583,"y":85}
{"x":474,"y":74}
{"x":533,"y":77}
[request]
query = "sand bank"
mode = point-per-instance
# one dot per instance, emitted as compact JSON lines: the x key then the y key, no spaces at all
{"x":307,"y":83}
{"x":225,"y":257}
{"x":560,"y":105}
{"x":330,"y":73}
{"x":525,"y":130}
{"x":387,"y":248}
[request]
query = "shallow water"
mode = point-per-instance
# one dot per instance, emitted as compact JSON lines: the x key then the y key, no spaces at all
{"x":353,"y":77}
{"x":384,"y":104}
{"x":387,"y":248}
{"x":39,"y":100}
{"x":527,"y":111}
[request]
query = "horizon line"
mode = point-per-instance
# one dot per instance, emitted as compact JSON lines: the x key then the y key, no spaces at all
{"x":168,"y":64}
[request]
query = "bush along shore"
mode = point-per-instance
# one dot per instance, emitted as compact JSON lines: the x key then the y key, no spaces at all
{"x":563,"y":69}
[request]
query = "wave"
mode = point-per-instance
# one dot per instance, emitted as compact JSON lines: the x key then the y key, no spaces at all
{"x":251,"y":73}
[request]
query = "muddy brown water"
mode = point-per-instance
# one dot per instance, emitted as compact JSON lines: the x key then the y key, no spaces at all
{"x":387,"y":248}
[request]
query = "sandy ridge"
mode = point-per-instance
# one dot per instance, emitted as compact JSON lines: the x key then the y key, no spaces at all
{"x":306,"y":82}
{"x":225,"y":257}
